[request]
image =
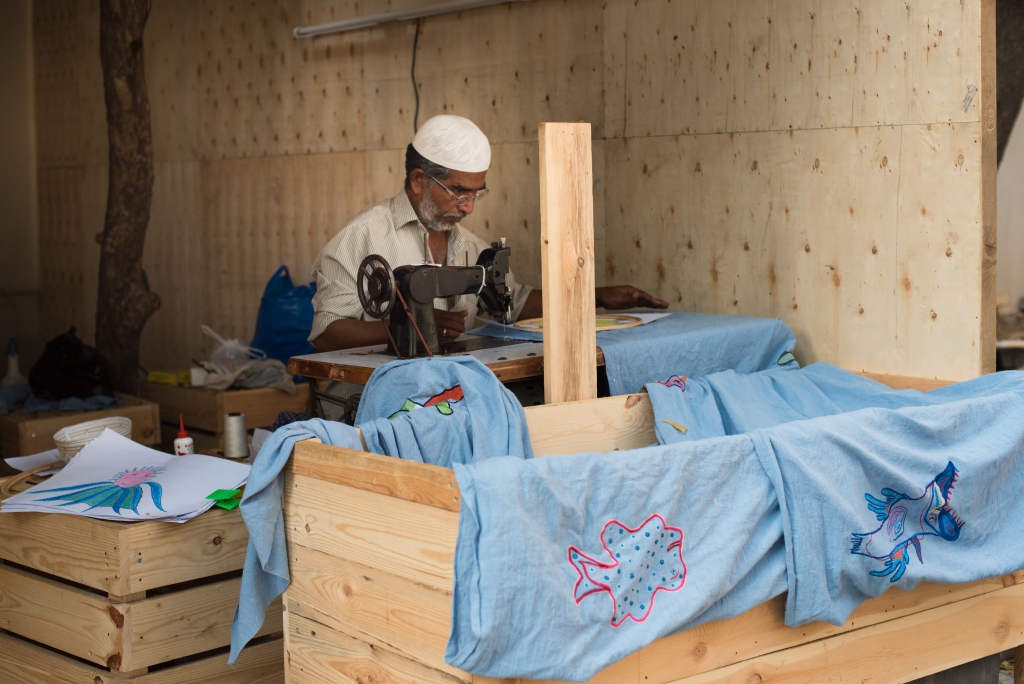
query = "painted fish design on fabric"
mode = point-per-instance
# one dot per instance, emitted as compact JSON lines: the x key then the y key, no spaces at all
{"x":905,"y":521}
{"x":645,"y":560}
{"x":787,"y":357}
{"x":675,"y":381}
{"x":124,"y":490}
{"x":443,"y":401}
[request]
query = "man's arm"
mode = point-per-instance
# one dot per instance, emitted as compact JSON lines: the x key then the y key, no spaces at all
{"x":613,"y":297}
{"x":346,"y":333}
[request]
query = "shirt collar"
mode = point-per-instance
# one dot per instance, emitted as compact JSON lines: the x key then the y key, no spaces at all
{"x":405,"y":217}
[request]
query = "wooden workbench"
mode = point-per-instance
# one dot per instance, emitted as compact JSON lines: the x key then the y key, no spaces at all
{"x":513,"y":362}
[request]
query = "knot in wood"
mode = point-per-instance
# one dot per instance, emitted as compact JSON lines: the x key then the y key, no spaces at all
{"x":115,"y":617}
{"x":114,"y":661}
{"x":754,"y":679}
{"x":217,"y":540}
{"x":700,"y":650}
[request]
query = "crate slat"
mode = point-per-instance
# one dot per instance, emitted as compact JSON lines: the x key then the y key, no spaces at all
{"x":376,"y":606}
{"x":22,"y":662}
{"x":317,"y":654}
{"x":386,"y":533}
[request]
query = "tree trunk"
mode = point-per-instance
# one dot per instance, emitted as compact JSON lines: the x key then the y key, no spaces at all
{"x":124,"y":302}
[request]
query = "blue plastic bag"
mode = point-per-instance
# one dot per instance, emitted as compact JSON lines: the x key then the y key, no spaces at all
{"x":285,"y":318}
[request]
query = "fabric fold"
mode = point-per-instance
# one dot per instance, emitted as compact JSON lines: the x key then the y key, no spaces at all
{"x":879,"y":498}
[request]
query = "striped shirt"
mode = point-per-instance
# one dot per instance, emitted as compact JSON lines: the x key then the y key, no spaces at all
{"x":392,"y":230}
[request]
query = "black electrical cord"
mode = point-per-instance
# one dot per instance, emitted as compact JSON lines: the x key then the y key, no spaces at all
{"x":415,"y":88}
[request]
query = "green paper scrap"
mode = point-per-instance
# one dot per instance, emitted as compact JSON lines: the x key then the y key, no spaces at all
{"x":226,"y":498}
{"x":229,"y":504}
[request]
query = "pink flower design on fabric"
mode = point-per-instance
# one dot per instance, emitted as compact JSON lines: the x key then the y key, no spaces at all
{"x":644,"y":560}
{"x":675,"y":381}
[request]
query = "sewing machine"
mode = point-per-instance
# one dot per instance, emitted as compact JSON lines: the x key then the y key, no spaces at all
{"x":407,"y":295}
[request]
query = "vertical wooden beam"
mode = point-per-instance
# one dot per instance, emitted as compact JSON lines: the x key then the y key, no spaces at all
{"x":989,"y":166}
{"x":567,"y":262}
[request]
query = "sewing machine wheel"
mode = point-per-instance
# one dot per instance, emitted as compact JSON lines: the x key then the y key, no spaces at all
{"x":375,"y":286}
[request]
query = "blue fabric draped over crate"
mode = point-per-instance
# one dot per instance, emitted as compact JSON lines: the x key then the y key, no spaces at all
{"x":455,"y":410}
{"x":851,"y":504}
{"x":880,"y":498}
{"x":730,"y":403}
{"x":565,"y":564}
{"x":683,"y":344}
{"x":437,"y":411}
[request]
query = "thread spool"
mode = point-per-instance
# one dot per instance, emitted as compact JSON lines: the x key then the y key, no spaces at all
{"x":236,"y":438}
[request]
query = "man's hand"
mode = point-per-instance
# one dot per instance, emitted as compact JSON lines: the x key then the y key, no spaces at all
{"x":626,"y":297}
{"x":450,"y":324}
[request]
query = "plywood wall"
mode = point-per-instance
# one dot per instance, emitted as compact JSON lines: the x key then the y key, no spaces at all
{"x":822,"y":162}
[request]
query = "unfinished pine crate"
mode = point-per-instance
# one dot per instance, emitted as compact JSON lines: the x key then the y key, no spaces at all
{"x":86,"y":601}
{"x":22,"y":434}
{"x":371,"y":541}
{"x":204,"y":409}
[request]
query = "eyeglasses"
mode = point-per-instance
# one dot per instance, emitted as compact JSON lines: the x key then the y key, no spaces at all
{"x":465,"y":198}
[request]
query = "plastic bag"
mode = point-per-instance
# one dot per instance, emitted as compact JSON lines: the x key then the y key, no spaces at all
{"x":285,"y":318}
{"x":230,"y":352}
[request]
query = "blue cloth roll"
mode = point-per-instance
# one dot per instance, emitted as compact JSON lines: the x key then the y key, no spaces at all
{"x":685,"y":344}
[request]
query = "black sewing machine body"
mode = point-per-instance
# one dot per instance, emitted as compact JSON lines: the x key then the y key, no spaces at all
{"x":413,"y":328}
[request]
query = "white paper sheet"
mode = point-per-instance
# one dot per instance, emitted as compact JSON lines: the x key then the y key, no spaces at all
{"x":24,"y":463}
{"x":114,"y":478}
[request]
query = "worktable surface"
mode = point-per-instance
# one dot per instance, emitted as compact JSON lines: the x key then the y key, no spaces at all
{"x":514,"y":361}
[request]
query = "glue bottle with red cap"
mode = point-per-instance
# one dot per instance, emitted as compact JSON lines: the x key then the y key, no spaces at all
{"x":183,"y":446}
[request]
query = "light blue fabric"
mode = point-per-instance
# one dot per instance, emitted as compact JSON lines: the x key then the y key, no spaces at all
{"x":689,"y":344}
{"x":729,"y":403}
{"x":869,"y":500}
{"x":407,"y":410}
{"x":924,"y":486}
{"x":265,"y":574}
{"x":446,"y":410}
{"x":525,"y":526}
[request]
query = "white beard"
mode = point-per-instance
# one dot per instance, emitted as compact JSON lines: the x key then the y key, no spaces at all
{"x":428,"y":211}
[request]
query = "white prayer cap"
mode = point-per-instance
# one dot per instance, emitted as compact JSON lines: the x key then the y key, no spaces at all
{"x":453,"y":142}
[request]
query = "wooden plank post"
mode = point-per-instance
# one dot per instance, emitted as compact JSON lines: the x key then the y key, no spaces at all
{"x":567,"y":262}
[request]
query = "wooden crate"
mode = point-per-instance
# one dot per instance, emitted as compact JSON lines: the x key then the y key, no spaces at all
{"x":85,"y":601}
{"x":204,"y":409}
{"x":372,"y":544}
{"x":22,"y":434}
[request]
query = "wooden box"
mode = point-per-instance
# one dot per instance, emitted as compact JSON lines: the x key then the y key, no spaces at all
{"x":86,"y":601}
{"x":204,"y":409}
{"x":22,"y":434}
{"x":371,"y":542}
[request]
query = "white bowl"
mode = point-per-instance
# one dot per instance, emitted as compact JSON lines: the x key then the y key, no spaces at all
{"x":71,"y":439}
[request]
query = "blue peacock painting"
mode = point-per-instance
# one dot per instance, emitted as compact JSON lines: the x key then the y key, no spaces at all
{"x":124,"y":490}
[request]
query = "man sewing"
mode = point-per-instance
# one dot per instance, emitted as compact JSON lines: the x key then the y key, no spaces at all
{"x":445,"y":171}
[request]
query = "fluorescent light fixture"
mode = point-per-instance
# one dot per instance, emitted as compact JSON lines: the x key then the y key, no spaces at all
{"x":403,"y":15}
